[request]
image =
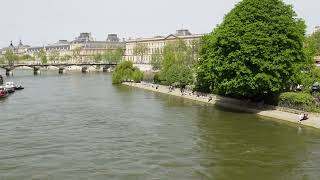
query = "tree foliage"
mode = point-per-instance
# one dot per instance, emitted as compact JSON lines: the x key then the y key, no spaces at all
{"x":42,"y":55}
{"x":113,"y":55}
{"x":302,"y":101}
{"x":315,"y":38}
{"x":254,"y":52}
{"x":26,"y":57}
{"x":2,"y":60}
{"x":140,"y":50}
{"x":76,"y":52}
{"x":65,"y":57}
{"x":11,"y":57}
{"x":54,"y":56}
{"x":307,"y":73}
{"x":156,"y":59}
{"x":126,"y":72}
{"x":97,"y":58}
{"x":177,"y":64}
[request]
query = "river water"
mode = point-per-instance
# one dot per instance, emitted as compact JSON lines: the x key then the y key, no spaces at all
{"x":80,"y":126}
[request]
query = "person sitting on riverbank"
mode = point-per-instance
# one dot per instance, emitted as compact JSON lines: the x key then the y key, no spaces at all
{"x":303,"y":117}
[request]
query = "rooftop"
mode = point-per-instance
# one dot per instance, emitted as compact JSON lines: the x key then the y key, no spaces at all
{"x":181,"y":33}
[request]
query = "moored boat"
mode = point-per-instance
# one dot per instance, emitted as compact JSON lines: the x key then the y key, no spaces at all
{"x":11,"y":88}
{"x":19,"y":87}
{"x":3,"y":92}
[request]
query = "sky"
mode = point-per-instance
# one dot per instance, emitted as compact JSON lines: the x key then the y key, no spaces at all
{"x":39,"y":22}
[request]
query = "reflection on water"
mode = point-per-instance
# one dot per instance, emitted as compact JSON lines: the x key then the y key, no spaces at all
{"x":80,"y":126}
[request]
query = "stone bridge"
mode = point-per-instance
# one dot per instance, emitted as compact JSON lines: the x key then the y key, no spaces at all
{"x":61,"y":66}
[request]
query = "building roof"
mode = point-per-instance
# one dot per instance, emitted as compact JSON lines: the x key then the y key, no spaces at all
{"x":162,"y":38}
{"x":83,"y":37}
{"x":104,"y":44}
{"x":113,"y":38}
{"x":35,"y":48}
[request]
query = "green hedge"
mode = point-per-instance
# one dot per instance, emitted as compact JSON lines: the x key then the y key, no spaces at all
{"x":301,"y":101}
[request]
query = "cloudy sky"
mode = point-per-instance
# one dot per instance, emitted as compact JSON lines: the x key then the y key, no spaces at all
{"x":39,"y":22}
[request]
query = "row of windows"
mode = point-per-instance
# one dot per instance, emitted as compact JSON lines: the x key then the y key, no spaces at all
{"x":49,"y":49}
{"x":138,"y":59}
{"x":149,"y":51}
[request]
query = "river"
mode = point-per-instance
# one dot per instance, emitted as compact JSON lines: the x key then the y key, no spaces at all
{"x":80,"y":126}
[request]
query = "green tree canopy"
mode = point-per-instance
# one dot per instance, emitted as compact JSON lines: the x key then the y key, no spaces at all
{"x":177,"y":63}
{"x":54,"y":56}
{"x":156,"y":59}
{"x":11,"y":57}
{"x":97,"y":58}
{"x":65,"y":57}
{"x":126,"y":72}
{"x":315,"y":37}
{"x":118,"y":55}
{"x":254,"y":52}
{"x":113,"y":55}
{"x":76,"y":53}
{"x":42,"y":55}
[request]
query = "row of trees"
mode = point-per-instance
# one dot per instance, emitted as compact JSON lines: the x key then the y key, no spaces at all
{"x":11,"y":58}
{"x":175,"y":64}
{"x":110,"y":56}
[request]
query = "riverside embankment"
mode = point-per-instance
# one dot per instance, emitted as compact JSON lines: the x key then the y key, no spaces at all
{"x":281,"y":113}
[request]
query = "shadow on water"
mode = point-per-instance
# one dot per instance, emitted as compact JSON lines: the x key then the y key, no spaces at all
{"x":242,"y":147}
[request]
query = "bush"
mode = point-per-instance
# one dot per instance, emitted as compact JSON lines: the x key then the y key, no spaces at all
{"x":148,"y":77}
{"x":156,"y":78}
{"x":300,"y":101}
{"x":137,"y":76}
{"x":126,"y":72}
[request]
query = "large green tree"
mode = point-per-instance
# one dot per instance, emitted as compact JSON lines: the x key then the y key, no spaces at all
{"x":177,"y":63}
{"x":254,"y":52}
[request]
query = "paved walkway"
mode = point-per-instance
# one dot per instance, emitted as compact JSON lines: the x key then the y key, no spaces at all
{"x":273,"y":112}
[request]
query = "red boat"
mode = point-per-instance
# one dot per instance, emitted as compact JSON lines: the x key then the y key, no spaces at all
{"x":3,"y":92}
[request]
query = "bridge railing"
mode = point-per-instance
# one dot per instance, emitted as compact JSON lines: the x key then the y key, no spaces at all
{"x":34,"y":63}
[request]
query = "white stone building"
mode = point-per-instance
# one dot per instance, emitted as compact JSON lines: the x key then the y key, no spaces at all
{"x":156,"y":45}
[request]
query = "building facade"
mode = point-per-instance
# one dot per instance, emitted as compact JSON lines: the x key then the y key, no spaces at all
{"x":155,"y":45}
{"x":19,"y":49}
{"x":89,"y":47}
{"x":81,"y":49}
